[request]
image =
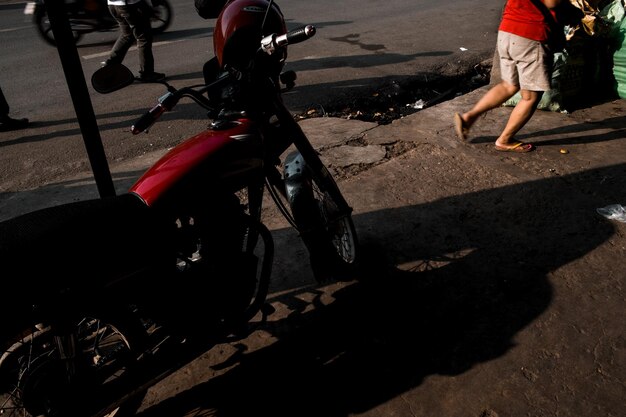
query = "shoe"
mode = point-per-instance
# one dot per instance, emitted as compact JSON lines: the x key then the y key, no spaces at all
{"x":519,"y":147}
{"x":10,"y":123}
{"x":460,"y":127}
{"x":151,"y":77}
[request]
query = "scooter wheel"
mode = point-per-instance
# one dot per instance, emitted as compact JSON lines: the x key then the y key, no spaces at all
{"x":44,"y":28}
{"x":161,"y":17}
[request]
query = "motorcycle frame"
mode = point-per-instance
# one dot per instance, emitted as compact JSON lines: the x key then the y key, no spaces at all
{"x":234,"y":155}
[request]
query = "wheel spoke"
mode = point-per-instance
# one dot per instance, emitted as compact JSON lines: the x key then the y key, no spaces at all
{"x":28,"y":364}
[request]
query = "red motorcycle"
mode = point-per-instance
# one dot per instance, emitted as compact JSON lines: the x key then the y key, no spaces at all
{"x":110,"y":296}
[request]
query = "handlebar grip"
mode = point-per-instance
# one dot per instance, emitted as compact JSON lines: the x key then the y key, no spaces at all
{"x":148,"y":119}
{"x":301,"y":34}
{"x":271,"y":43}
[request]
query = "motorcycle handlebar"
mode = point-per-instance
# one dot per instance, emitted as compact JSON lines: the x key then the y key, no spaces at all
{"x":297,"y":35}
{"x":148,"y":119}
{"x":271,"y":43}
{"x":166,"y":103}
{"x":169,"y":100}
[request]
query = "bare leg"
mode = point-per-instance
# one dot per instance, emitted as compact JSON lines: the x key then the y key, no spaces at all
{"x":497,"y":95}
{"x":520,"y":115}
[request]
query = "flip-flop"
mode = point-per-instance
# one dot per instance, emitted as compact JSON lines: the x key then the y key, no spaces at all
{"x":519,"y":147}
{"x":460,"y":127}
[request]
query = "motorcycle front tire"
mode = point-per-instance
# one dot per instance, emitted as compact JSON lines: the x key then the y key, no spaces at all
{"x":327,"y":231}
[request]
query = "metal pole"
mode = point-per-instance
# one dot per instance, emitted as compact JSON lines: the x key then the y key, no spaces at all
{"x":80,"y":95}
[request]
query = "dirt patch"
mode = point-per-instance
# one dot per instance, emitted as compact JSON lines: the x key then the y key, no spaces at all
{"x":399,"y":99}
{"x":392,"y":150}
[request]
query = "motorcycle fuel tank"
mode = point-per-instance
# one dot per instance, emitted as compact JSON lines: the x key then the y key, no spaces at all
{"x":228,"y":155}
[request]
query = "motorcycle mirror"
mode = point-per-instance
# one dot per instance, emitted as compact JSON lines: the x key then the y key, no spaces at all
{"x":111,"y":78}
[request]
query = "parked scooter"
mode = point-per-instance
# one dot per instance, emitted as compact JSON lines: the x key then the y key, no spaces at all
{"x":88,"y":16}
{"x":109,"y":296}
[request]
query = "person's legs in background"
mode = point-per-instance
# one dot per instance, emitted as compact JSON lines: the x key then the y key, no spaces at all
{"x":520,"y":115}
{"x":125,"y":39}
{"x":143,"y":33}
{"x":525,"y":66}
{"x":134,"y":22}
{"x":7,"y":122}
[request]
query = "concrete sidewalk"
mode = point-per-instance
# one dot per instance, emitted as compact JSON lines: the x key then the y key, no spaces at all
{"x":493,"y":286}
{"x":593,"y":138}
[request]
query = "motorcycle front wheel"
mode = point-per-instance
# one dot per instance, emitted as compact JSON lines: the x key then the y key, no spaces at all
{"x":333,"y":248}
{"x":33,"y":377}
{"x":325,"y":224}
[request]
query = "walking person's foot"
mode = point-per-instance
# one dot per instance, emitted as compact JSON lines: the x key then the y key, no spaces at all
{"x":461,"y":127}
{"x":151,"y":77}
{"x":518,"y":147}
{"x":8,"y":123}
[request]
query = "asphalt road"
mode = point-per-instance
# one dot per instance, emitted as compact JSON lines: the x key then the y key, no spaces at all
{"x":359,"y":48}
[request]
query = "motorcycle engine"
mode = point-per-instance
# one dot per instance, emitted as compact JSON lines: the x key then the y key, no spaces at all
{"x":216,"y":277}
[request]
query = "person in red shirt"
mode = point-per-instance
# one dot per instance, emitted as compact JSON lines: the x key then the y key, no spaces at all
{"x":525,"y":54}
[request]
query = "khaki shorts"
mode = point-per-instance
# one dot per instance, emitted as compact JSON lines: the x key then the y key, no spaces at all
{"x":524,"y":62}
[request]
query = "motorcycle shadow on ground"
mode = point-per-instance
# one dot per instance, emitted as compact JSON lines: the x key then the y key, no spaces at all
{"x":446,"y":286}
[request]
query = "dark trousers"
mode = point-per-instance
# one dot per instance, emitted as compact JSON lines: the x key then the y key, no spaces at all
{"x":134,"y":21}
{"x":4,"y":106}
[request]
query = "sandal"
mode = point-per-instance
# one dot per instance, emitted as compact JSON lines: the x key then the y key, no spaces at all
{"x":519,"y":147}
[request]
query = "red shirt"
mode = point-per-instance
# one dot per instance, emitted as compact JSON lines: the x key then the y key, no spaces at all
{"x":524,"y":18}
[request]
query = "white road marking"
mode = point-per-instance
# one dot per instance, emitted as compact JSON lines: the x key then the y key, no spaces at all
{"x":13,"y":29}
{"x":132,"y":48}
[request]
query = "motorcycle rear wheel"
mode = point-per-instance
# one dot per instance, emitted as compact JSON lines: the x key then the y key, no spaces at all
{"x":32,"y":380}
